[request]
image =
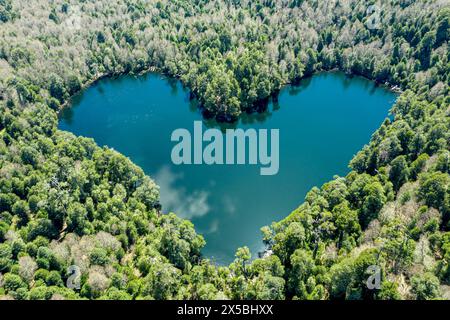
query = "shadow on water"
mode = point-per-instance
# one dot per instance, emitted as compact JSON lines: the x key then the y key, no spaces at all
{"x":173,"y":84}
{"x":67,"y":113}
{"x":295,"y":88}
{"x":262,"y":111}
{"x":260,"y":115}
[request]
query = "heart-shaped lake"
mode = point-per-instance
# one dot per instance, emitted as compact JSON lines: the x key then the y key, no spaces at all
{"x":322,"y":123}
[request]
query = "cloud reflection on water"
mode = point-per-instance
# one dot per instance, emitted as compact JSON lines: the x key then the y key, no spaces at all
{"x":187,"y":205}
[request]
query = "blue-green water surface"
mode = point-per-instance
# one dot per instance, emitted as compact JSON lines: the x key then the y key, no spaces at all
{"x":323,"y":123}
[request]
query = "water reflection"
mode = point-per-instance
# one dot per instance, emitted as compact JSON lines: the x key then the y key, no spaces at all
{"x":187,"y":204}
{"x":323,"y":122}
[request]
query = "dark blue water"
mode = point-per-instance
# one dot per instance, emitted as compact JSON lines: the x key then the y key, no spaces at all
{"x":323,"y":123}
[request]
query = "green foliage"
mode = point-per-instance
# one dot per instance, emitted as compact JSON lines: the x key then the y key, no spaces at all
{"x":373,"y":202}
{"x":12,"y":282}
{"x":399,"y":172}
{"x":99,"y":257}
{"x":6,"y":11}
{"x":389,"y":291}
{"x":5,"y":257}
{"x":425,"y":287}
{"x":418,"y":165}
{"x":434,"y":190}
{"x":65,"y":201}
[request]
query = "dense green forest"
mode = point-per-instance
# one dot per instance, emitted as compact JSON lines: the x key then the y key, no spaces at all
{"x":65,"y":201}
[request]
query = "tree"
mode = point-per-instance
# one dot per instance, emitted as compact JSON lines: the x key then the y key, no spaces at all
{"x":6,"y":11}
{"x":99,"y":256}
{"x":399,"y":172}
{"x":56,"y":88}
{"x":3,"y":229}
{"x":12,"y":282}
{"x":433,"y":188}
{"x":5,"y":257}
{"x":77,"y":220}
{"x":73,"y":84}
{"x":40,"y":293}
{"x":162,"y":283}
{"x":116,"y":294}
{"x":302,"y":268}
{"x":311,"y":60}
{"x":242,"y":257}
{"x":362,"y":265}
{"x":443,"y":26}
{"x":268,"y":287}
{"x":147,"y":193}
{"x":389,"y":291}
{"x":54,"y":279}
{"x":346,"y":221}
{"x":443,"y":162}
{"x":97,"y":283}
{"x":426,"y":286}
{"x":399,"y":249}
{"x":27,"y":268}
{"x":21,"y":210}
{"x":207,"y":292}
{"x":373,"y":202}
{"x":30,"y":156}
{"x":288,"y":241}
{"x":418,"y":165}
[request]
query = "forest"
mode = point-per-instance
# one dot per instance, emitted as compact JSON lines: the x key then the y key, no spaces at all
{"x":65,"y":201}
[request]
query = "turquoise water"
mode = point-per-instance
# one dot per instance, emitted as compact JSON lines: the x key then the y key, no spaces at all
{"x":323,"y":123}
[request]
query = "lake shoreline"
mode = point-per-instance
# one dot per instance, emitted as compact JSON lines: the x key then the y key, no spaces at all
{"x":137,"y":116}
{"x":157,"y":71}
